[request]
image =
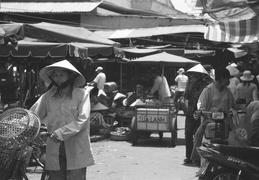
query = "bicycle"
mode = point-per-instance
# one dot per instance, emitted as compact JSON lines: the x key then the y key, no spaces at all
{"x":18,"y":129}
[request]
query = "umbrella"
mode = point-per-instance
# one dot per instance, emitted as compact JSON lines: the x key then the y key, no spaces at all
{"x":166,"y":59}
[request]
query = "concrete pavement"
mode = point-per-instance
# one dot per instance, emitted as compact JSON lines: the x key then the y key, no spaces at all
{"x":149,"y":159}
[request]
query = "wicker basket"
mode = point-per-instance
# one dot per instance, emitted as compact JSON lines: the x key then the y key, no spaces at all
{"x":118,"y":137}
{"x":121,"y":134}
{"x":18,"y":127}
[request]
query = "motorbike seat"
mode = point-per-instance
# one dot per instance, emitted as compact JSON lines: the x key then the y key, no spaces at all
{"x":249,"y":154}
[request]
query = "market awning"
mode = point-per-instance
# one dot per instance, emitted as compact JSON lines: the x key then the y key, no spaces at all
{"x":198,"y":53}
{"x":244,"y":31}
{"x":148,"y":32}
{"x":165,"y":59}
{"x":64,"y":34}
{"x":12,"y":29}
{"x":133,"y":53}
{"x":32,"y":6}
{"x":43,"y":49}
{"x":100,"y":50}
{"x":108,"y":60}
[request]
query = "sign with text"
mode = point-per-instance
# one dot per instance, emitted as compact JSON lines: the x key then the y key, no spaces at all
{"x":152,"y":119}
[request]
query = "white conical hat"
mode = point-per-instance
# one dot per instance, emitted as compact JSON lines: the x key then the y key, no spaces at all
{"x":88,"y":88}
{"x":198,"y":68}
{"x":118,"y":96}
{"x":101,"y":93}
{"x":99,"y":106}
{"x":138,"y":102}
{"x":45,"y":72}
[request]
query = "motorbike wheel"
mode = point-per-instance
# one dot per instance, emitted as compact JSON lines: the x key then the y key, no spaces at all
{"x":224,"y":174}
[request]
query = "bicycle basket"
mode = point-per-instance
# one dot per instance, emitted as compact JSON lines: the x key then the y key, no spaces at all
{"x":18,"y":127}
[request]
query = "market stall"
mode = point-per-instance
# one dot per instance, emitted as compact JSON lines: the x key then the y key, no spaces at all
{"x":37,"y":45}
{"x":161,"y":117}
{"x":23,"y":63}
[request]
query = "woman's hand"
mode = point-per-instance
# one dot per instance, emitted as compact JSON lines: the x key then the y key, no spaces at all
{"x":54,"y":137}
{"x":197,"y":114}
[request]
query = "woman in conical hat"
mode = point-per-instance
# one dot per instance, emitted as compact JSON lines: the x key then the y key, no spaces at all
{"x":198,"y":80}
{"x":65,"y":109}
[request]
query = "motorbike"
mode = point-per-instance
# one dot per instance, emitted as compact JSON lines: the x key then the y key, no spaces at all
{"x":237,"y":162}
{"x":219,"y":127}
{"x":228,"y":162}
{"x":216,"y":131}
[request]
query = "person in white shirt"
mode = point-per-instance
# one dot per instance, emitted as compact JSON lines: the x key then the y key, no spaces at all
{"x":100,"y":80}
{"x":233,"y":81}
{"x":181,"y":80}
{"x":161,"y":86}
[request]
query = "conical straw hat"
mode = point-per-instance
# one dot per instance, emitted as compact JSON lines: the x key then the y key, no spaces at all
{"x":99,"y":106}
{"x":198,"y":68}
{"x":45,"y":72}
{"x":118,"y":96}
{"x":138,"y":102}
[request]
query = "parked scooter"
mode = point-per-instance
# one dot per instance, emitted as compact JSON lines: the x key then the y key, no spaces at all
{"x":228,"y":162}
{"x":233,"y":162}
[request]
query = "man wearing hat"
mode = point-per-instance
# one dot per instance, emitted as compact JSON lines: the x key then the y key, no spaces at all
{"x":215,"y":97}
{"x":246,"y":89}
{"x":181,"y":80}
{"x":100,"y":80}
{"x":65,"y":109}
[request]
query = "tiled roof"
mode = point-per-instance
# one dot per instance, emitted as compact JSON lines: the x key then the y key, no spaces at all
{"x":49,"y":7}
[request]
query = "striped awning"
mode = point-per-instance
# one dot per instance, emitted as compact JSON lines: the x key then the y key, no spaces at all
{"x":243,"y":31}
{"x":229,"y":10}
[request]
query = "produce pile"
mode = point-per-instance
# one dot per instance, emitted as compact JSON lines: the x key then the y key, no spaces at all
{"x":121,"y":133}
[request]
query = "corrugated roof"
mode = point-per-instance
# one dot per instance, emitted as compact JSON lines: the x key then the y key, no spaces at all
{"x":48,"y":7}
